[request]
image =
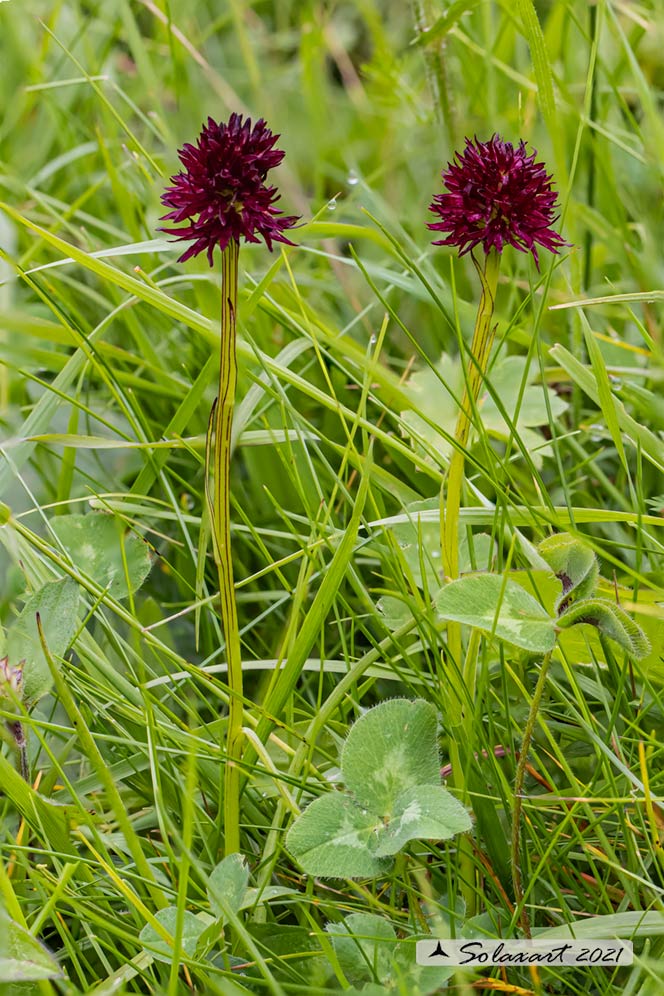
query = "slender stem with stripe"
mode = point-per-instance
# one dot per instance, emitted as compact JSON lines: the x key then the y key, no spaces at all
{"x":221,"y":532}
{"x":450,"y":496}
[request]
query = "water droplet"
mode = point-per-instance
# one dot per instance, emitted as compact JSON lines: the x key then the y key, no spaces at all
{"x":332,"y":205}
{"x":353,"y":178}
{"x":616,"y":382}
{"x":373,"y":340}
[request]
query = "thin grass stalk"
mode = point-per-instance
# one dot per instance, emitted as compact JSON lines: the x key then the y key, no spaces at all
{"x":517,"y":878}
{"x":221,"y":532}
{"x":435,"y":63}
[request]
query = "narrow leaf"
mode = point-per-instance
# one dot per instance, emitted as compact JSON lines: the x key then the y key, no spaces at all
{"x":541,"y":65}
{"x":49,"y":820}
{"x":285,"y":681}
{"x":650,"y":443}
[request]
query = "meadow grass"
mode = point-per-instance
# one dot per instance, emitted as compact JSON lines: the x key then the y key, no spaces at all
{"x":109,"y":366}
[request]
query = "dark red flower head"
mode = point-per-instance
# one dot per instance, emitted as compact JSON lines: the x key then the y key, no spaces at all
{"x":222,"y":193}
{"x":498,"y":195}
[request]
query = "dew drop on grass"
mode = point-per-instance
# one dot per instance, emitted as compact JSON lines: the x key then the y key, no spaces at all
{"x":332,"y":205}
{"x":353,"y":179}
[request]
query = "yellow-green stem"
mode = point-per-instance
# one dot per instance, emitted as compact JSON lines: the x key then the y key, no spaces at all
{"x":450,"y":496}
{"x":517,"y":881}
{"x":221,"y":531}
{"x":450,"y":504}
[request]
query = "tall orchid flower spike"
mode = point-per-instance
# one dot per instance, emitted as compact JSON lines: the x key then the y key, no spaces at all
{"x":219,"y":198}
{"x":496,"y":196}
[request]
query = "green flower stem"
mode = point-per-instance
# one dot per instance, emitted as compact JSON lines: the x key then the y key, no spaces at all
{"x":450,"y":495}
{"x":221,"y":533}
{"x":450,"y":504}
{"x":517,"y":881}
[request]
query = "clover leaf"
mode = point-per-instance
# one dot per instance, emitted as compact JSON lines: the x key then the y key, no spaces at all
{"x":391,"y":770}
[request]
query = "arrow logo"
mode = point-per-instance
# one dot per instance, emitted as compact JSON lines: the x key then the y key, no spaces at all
{"x":438,"y":952}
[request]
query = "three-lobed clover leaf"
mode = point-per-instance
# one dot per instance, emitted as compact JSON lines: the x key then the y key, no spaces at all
{"x":391,"y":770}
{"x":229,"y":891}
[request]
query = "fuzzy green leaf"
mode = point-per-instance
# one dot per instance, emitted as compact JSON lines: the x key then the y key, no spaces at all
{"x":368,"y":950}
{"x":610,"y":620}
{"x":192,"y":928}
{"x":390,"y":749}
{"x":364,"y":944}
{"x":100,"y":547}
{"x":423,"y":812}
{"x":333,"y":838}
{"x":56,"y":603}
{"x":498,"y":606}
{"x":390,"y":764}
{"x":574,"y":563}
{"x":421,"y":979}
{"x":227,"y":885}
{"x":419,"y":541}
{"x":22,"y":957}
{"x":268,"y":894}
{"x":394,"y":612}
{"x":434,"y":403}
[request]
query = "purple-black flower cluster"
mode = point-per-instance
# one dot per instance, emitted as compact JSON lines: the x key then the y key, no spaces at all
{"x":221,"y":194}
{"x":497,"y":195}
